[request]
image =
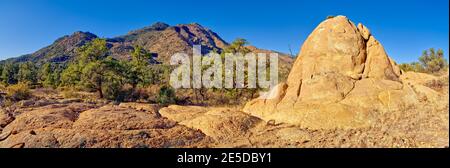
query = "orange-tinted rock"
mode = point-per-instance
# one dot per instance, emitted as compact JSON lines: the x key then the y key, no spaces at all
{"x":342,"y":75}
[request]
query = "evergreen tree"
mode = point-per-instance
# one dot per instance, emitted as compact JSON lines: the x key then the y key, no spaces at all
{"x":238,"y":46}
{"x":9,"y":73}
{"x":94,"y":71}
{"x":27,"y":73}
{"x":137,"y":71}
{"x":92,"y":67}
{"x":71,"y":76}
{"x":49,"y":75}
{"x":1,"y":71}
{"x":433,"y":61}
{"x":45,"y":75}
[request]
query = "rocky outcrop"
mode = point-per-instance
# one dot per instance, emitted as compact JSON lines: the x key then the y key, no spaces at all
{"x":222,"y":124}
{"x":178,"y":136}
{"x":79,"y":125}
{"x":53,"y":116}
{"x":112,"y":117}
{"x":341,"y":76}
{"x":5,"y":118}
{"x":417,"y":78}
{"x":140,"y":125}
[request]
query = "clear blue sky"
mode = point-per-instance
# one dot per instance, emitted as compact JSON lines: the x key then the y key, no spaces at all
{"x":404,"y":27}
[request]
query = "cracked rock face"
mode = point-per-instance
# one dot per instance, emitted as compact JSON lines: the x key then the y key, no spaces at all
{"x":342,"y":74}
{"x":222,"y":124}
{"x":82,"y":125}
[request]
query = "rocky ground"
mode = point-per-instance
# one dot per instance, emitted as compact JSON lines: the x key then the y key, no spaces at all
{"x":49,"y":120}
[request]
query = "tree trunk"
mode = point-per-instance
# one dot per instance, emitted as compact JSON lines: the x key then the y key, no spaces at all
{"x":203,"y":95}
{"x":100,"y":93}
{"x":196,"y":96}
{"x":100,"y":90}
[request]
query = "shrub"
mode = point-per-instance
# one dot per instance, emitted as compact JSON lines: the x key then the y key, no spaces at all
{"x":2,"y":88}
{"x":431,"y":61}
{"x":151,"y":92}
{"x":415,"y":67}
{"x":18,"y":92}
{"x":112,"y":90}
{"x":166,"y":95}
{"x":2,"y":94}
{"x":438,"y":84}
{"x":70,"y":93}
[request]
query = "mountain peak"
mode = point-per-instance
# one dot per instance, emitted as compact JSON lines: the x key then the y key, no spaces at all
{"x":81,"y":33}
{"x":159,"y":26}
{"x":195,"y":24}
{"x":78,"y":36}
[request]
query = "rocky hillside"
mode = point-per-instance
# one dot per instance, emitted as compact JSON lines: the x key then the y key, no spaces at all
{"x":62,"y":50}
{"x":160,"y":39}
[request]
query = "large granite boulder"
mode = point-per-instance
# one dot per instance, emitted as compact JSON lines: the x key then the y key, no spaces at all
{"x":342,"y":75}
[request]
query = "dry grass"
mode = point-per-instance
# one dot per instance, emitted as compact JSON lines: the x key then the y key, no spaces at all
{"x":414,"y":127}
{"x":18,"y":92}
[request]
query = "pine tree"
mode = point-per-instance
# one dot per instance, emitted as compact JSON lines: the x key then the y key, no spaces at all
{"x":94,"y":71}
{"x":27,"y":73}
{"x":1,"y":71}
{"x":49,"y":75}
{"x":238,"y":46}
{"x":137,"y":71}
{"x":9,"y":73}
{"x":71,"y":76}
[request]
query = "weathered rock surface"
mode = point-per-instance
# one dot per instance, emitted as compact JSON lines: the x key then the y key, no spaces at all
{"x":219,"y":123}
{"x":5,"y":118}
{"x":128,"y":126}
{"x":341,"y":76}
{"x":79,"y":125}
{"x":53,"y":116}
{"x":417,"y":78}
{"x":150,"y":108}
{"x":182,"y":113}
{"x":112,"y":117}
{"x":177,"y":136}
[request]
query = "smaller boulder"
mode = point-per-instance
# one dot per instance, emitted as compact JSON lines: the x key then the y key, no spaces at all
{"x":111,"y":117}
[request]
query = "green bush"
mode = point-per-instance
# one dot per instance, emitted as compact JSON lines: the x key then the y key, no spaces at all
{"x":2,"y":94}
{"x":112,"y":90}
{"x":68,"y":92}
{"x":166,"y":95}
{"x":431,"y":61}
{"x":2,"y":88}
{"x":415,"y":67}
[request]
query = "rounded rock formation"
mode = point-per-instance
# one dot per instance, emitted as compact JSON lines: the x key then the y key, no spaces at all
{"x":342,"y":74}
